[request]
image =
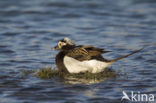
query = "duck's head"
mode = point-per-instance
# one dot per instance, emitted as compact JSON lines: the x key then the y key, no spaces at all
{"x":64,"y":44}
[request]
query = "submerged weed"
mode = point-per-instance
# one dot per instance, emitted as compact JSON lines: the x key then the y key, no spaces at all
{"x":27,"y":72}
{"x":48,"y":72}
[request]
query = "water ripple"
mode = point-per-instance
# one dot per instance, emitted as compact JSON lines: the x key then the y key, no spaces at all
{"x":29,"y":29}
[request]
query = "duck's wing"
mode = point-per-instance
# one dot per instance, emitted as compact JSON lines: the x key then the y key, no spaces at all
{"x":86,"y":53}
{"x":93,"y":51}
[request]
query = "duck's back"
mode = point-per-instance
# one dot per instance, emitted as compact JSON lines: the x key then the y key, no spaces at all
{"x":82,"y":53}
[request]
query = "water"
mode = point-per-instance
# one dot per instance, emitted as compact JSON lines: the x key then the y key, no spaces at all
{"x":29,"y":28}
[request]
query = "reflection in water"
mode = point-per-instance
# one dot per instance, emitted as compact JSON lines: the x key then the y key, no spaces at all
{"x":73,"y":80}
{"x":91,"y":93}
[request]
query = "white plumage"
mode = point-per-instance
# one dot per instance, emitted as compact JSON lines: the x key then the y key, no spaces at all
{"x":92,"y":66}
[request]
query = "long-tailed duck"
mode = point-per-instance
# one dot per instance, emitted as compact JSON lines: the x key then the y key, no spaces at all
{"x":76,"y":59}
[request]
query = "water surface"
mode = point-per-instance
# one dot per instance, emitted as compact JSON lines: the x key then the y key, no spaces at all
{"x":29,"y":28}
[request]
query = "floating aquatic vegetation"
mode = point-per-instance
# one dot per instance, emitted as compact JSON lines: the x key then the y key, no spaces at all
{"x":27,"y":72}
{"x":85,"y":78}
{"x":49,"y":72}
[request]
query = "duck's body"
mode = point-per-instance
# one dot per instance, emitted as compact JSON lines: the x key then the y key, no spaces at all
{"x":76,"y":66}
{"x":81,"y":59}
{"x":76,"y":59}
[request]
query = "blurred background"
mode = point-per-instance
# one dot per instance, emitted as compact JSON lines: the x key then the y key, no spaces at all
{"x":30,"y":28}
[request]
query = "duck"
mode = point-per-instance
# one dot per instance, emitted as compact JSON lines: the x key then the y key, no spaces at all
{"x":74,"y":58}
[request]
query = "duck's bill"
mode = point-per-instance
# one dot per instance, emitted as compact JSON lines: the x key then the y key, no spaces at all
{"x":107,"y":51}
{"x":55,"y":48}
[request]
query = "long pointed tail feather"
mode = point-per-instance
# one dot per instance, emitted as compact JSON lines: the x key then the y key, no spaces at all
{"x":114,"y":60}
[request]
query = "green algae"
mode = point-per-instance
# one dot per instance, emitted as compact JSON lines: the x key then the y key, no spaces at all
{"x":27,"y":72}
{"x":49,"y":72}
